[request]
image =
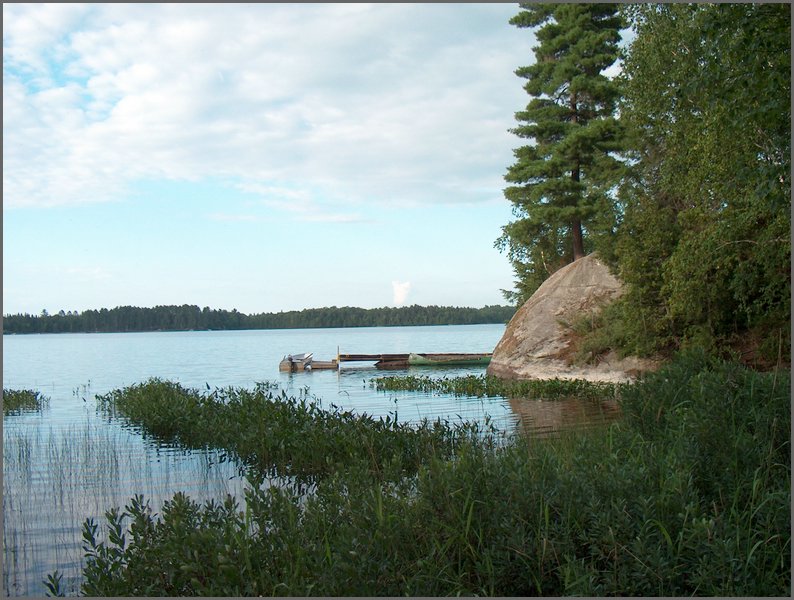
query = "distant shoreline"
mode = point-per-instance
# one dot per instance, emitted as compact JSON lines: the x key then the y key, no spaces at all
{"x":173,"y":318}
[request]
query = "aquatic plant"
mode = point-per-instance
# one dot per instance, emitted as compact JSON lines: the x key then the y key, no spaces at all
{"x":486,"y":385}
{"x":689,"y":494}
{"x":268,"y":431}
{"x":18,"y":401}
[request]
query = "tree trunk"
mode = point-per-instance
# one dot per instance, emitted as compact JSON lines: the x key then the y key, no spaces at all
{"x":578,"y":245}
{"x":576,"y":224}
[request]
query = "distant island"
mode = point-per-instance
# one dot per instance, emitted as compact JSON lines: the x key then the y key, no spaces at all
{"x":124,"y":319}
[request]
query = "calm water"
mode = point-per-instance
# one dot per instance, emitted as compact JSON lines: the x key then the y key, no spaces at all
{"x":70,"y":462}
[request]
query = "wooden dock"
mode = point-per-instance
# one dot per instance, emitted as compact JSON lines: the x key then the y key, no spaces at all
{"x":382,"y":361}
{"x":385,"y":361}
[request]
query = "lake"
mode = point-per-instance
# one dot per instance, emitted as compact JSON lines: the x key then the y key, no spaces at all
{"x":70,"y":462}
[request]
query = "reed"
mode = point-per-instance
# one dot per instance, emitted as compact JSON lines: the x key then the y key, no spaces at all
{"x":53,"y":479}
{"x":689,"y":494}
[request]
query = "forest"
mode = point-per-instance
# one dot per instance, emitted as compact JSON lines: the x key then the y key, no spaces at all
{"x":676,"y":171}
{"x":190,"y":317}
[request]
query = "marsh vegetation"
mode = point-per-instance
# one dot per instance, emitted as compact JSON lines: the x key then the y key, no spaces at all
{"x":486,"y":385}
{"x":687,"y":494}
{"x":18,"y":401}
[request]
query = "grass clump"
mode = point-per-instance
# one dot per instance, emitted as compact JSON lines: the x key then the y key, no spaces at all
{"x":689,"y":494}
{"x":18,"y":401}
{"x":487,"y":385}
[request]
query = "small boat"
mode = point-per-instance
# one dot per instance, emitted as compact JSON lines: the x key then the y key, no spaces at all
{"x":296,"y":362}
{"x":448,"y":360}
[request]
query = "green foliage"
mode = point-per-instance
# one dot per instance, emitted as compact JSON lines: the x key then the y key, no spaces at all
{"x":700,"y":229}
{"x":562,"y":180}
{"x":53,"y":584}
{"x":271,"y":432}
{"x":620,"y":327}
{"x":193,"y":550}
{"x":704,"y":247}
{"x":17,"y":401}
{"x":486,"y":385}
{"x":689,"y":494}
{"x":186,"y":317}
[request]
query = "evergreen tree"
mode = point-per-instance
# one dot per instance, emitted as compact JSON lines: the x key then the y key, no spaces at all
{"x":179,"y":318}
{"x":562,"y":178}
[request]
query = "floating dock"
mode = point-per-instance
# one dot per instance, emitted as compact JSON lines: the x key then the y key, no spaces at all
{"x":305,"y":362}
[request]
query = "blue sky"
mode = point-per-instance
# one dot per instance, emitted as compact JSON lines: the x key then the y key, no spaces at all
{"x":262,"y":157}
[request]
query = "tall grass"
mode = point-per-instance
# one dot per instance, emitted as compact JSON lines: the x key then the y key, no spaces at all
{"x":689,"y":494}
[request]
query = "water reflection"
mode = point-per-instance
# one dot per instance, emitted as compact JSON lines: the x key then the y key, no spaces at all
{"x":541,"y":418}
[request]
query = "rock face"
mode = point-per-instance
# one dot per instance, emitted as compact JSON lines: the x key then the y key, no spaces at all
{"x":537,"y":339}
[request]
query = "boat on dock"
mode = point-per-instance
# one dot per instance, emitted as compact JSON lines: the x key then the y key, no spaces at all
{"x":305,"y":362}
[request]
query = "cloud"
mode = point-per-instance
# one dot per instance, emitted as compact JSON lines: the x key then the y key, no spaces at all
{"x":388,"y":104}
{"x":231,"y":218}
{"x":400,"y":290}
{"x":307,"y":205}
{"x":336,"y":218}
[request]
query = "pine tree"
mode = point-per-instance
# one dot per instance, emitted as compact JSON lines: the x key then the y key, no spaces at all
{"x":561,"y":179}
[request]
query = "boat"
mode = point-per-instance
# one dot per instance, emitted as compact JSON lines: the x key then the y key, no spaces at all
{"x":448,"y":360}
{"x":296,"y":362}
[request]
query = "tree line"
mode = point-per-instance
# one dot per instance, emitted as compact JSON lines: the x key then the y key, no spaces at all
{"x":191,"y":317}
{"x":677,"y":172}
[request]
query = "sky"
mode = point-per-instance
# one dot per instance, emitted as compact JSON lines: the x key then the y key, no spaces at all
{"x":258,"y":157}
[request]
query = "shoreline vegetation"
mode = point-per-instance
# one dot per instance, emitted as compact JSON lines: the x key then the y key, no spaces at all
{"x":123,"y":319}
{"x":488,"y":385}
{"x":654,"y":504}
{"x":19,"y":401}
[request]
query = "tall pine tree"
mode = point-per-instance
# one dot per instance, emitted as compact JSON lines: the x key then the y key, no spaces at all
{"x":562,"y":177}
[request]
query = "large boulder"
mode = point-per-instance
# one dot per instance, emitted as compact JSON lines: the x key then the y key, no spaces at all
{"x":537,"y":343}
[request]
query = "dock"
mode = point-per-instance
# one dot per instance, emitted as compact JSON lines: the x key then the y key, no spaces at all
{"x":382,"y":361}
{"x":305,"y":362}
